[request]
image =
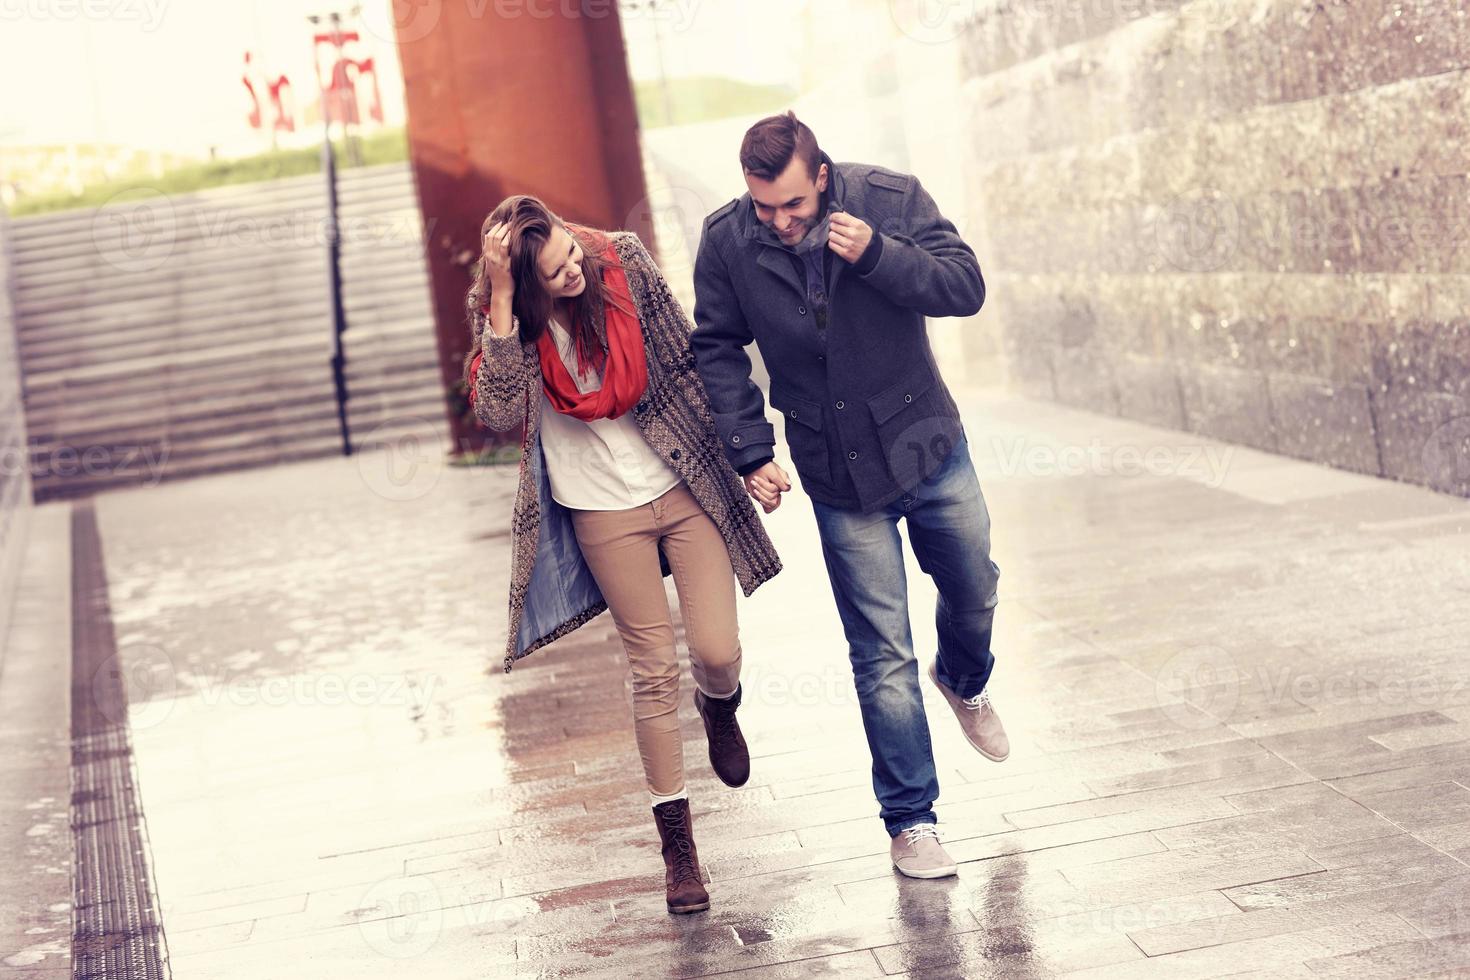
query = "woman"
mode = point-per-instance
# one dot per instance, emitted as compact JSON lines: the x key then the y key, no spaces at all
{"x":623,"y":480}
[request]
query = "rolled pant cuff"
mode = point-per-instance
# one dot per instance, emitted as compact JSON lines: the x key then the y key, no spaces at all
{"x":897,"y":827}
{"x":717,"y":697}
{"x":964,"y":686}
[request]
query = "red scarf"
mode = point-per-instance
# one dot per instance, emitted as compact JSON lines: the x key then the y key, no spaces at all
{"x":626,"y":370}
{"x":625,"y":373}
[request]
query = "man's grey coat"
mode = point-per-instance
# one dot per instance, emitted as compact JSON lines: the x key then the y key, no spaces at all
{"x":867,"y":415}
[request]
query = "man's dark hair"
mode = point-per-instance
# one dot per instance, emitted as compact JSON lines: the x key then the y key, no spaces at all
{"x":770,"y":144}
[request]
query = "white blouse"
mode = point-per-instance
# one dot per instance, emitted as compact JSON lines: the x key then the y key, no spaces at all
{"x":604,"y":464}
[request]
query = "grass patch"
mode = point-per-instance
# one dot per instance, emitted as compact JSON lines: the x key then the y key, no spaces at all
{"x":701,"y":97}
{"x":382,"y":146}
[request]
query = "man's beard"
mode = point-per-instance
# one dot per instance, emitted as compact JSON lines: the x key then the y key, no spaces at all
{"x":815,"y":237}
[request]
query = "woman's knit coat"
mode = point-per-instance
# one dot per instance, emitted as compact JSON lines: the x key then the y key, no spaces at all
{"x":552,"y":591}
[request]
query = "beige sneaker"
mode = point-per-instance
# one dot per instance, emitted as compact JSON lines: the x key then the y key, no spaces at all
{"x":916,"y":853}
{"x":978,"y":719}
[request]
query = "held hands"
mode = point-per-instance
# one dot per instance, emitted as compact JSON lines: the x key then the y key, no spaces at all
{"x":849,"y":236}
{"x":767,"y":484}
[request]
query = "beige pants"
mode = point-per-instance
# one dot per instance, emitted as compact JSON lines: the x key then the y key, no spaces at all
{"x":621,"y":548}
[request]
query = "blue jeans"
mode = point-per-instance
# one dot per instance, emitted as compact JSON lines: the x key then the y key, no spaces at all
{"x":949,"y":530}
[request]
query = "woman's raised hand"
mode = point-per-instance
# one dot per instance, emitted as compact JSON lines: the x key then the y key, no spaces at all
{"x":495,"y":253}
{"x":497,"y":257}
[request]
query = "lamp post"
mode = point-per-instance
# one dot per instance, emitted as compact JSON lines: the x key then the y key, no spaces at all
{"x":654,"y":8}
{"x":334,"y":241}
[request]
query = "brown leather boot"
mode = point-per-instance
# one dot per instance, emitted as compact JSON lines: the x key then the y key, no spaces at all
{"x":683,"y":888}
{"x":728,"y":755}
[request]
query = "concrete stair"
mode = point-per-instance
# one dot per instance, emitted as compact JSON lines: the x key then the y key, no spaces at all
{"x":195,"y":331}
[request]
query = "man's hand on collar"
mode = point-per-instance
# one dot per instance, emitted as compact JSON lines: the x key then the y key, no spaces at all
{"x":850,"y":236}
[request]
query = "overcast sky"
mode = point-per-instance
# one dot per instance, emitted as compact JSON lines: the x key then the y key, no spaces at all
{"x":165,"y":74}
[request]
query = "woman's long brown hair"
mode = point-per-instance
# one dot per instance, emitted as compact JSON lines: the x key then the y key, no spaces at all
{"x":531,"y":223}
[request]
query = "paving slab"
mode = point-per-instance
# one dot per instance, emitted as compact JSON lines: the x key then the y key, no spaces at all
{"x":1236,"y":686}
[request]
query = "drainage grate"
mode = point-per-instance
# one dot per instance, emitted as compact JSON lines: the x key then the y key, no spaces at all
{"x":116,"y":927}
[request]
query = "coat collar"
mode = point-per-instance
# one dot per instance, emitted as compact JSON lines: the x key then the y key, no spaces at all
{"x":776,"y":257}
{"x":835,"y":197}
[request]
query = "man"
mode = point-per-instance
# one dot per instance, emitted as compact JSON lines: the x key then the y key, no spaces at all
{"x":831,"y":270}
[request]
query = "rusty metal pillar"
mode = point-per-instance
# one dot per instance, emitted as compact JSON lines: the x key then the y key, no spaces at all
{"x":513,"y":97}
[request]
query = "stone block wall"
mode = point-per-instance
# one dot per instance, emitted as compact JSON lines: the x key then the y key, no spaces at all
{"x":1243,"y":218}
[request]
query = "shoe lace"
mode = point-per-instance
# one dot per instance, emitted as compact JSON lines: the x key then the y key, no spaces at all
{"x":981,"y":700}
{"x":680,"y":837}
{"x":725,"y":726}
{"x":915,"y":834}
{"x":723,"y":717}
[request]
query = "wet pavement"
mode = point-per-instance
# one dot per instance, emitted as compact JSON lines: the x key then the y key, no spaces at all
{"x":1235,"y":685}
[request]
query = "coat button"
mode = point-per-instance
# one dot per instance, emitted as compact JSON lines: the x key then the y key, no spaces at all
{"x":675,"y":454}
{"x":841,"y":404}
{"x":852,"y":455}
{"x":642,"y":406}
{"x":735,"y":440}
{"x":801,"y":310}
{"x":908,"y":398}
{"x":792,"y":413}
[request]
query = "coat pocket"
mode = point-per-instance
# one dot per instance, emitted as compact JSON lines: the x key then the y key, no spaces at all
{"x":914,"y":431}
{"x":900,"y":396}
{"x":803,"y":425}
